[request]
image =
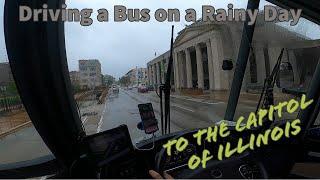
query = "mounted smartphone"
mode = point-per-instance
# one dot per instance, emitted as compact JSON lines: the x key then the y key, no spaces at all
{"x":149,"y":121}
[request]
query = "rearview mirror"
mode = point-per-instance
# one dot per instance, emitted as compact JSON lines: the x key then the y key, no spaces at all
{"x":227,"y":65}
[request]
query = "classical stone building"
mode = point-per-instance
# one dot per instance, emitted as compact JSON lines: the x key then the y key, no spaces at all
{"x":157,"y":69}
{"x":201,"y":48}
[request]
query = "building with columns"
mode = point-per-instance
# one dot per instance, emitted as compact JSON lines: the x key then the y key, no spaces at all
{"x":157,"y":69}
{"x":201,"y":48}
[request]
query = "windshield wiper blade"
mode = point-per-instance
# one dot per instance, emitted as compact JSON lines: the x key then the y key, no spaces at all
{"x":166,"y":88}
{"x":267,"y":90}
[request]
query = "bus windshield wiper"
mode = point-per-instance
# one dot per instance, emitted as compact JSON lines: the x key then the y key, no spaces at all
{"x":165,"y":89}
{"x":267,"y":90}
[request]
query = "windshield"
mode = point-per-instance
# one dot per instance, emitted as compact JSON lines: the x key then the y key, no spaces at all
{"x":132,"y":54}
{"x":135,"y":56}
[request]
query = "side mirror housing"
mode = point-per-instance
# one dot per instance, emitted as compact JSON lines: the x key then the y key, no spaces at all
{"x":286,"y":76}
{"x":140,"y":126}
{"x":227,"y":65}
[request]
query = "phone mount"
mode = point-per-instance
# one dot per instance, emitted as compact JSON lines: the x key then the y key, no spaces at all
{"x":148,"y":122}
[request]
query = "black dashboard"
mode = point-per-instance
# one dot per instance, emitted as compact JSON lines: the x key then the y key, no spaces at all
{"x":242,"y":166}
{"x":114,"y":156}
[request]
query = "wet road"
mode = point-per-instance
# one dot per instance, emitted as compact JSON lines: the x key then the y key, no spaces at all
{"x":122,"y":108}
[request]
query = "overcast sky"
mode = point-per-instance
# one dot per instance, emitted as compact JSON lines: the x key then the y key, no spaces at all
{"x":121,"y":46}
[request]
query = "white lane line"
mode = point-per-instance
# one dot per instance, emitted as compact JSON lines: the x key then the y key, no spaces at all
{"x":85,"y":120}
{"x":198,"y":100}
{"x":101,"y":119}
{"x":195,"y":100}
{"x":182,"y":108}
{"x":43,"y":177}
{"x":214,"y":103}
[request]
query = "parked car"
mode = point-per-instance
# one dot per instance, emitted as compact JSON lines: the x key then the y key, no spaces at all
{"x":142,"y":88}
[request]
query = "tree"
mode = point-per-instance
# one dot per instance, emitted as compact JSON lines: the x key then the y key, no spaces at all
{"x":124,"y":81}
{"x":12,"y":89}
{"x":76,"y":88}
{"x":108,"y":80}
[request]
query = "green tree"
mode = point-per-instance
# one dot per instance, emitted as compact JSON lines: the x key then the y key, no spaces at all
{"x":12,"y":89}
{"x":109,"y":80}
{"x":124,"y":81}
{"x":76,"y":88}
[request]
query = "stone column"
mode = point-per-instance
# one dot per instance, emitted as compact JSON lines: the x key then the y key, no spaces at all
{"x":163,"y":72}
{"x":199,"y":67}
{"x":261,"y":65}
{"x":176,"y":71}
{"x":149,"y":75}
{"x":188,"y":68}
{"x":181,"y":70}
{"x":158,"y":73}
{"x":148,"y":71}
{"x":154,"y":74}
{"x":220,"y":81}
{"x":274,"y":53}
{"x":210,"y":65}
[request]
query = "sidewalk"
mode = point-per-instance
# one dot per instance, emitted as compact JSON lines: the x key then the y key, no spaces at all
{"x":245,"y":98}
{"x":214,"y":104}
{"x":13,"y":119}
{"x":92,"y":110}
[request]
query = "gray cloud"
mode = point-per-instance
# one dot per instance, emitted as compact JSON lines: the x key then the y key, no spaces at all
{"x":121,"y":46}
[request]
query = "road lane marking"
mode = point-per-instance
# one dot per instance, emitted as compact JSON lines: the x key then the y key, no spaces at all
{"x":85,"y":120}
{"x":182,"y":108}
{"x":214,"y":103}
{"x":101,"y":119}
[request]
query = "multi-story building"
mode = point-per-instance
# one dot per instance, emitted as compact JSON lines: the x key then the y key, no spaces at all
{"x":74,"y":77}
{"x":5,"y":76}
{"x":142,"y":76}
{"x":90,"y":74}
{"x":138,"y":76}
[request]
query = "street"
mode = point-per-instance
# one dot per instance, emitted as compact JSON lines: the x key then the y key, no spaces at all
{"x":121,"y":108}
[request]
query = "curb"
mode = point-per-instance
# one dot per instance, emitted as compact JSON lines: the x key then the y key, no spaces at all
{"x":10,"y":131}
